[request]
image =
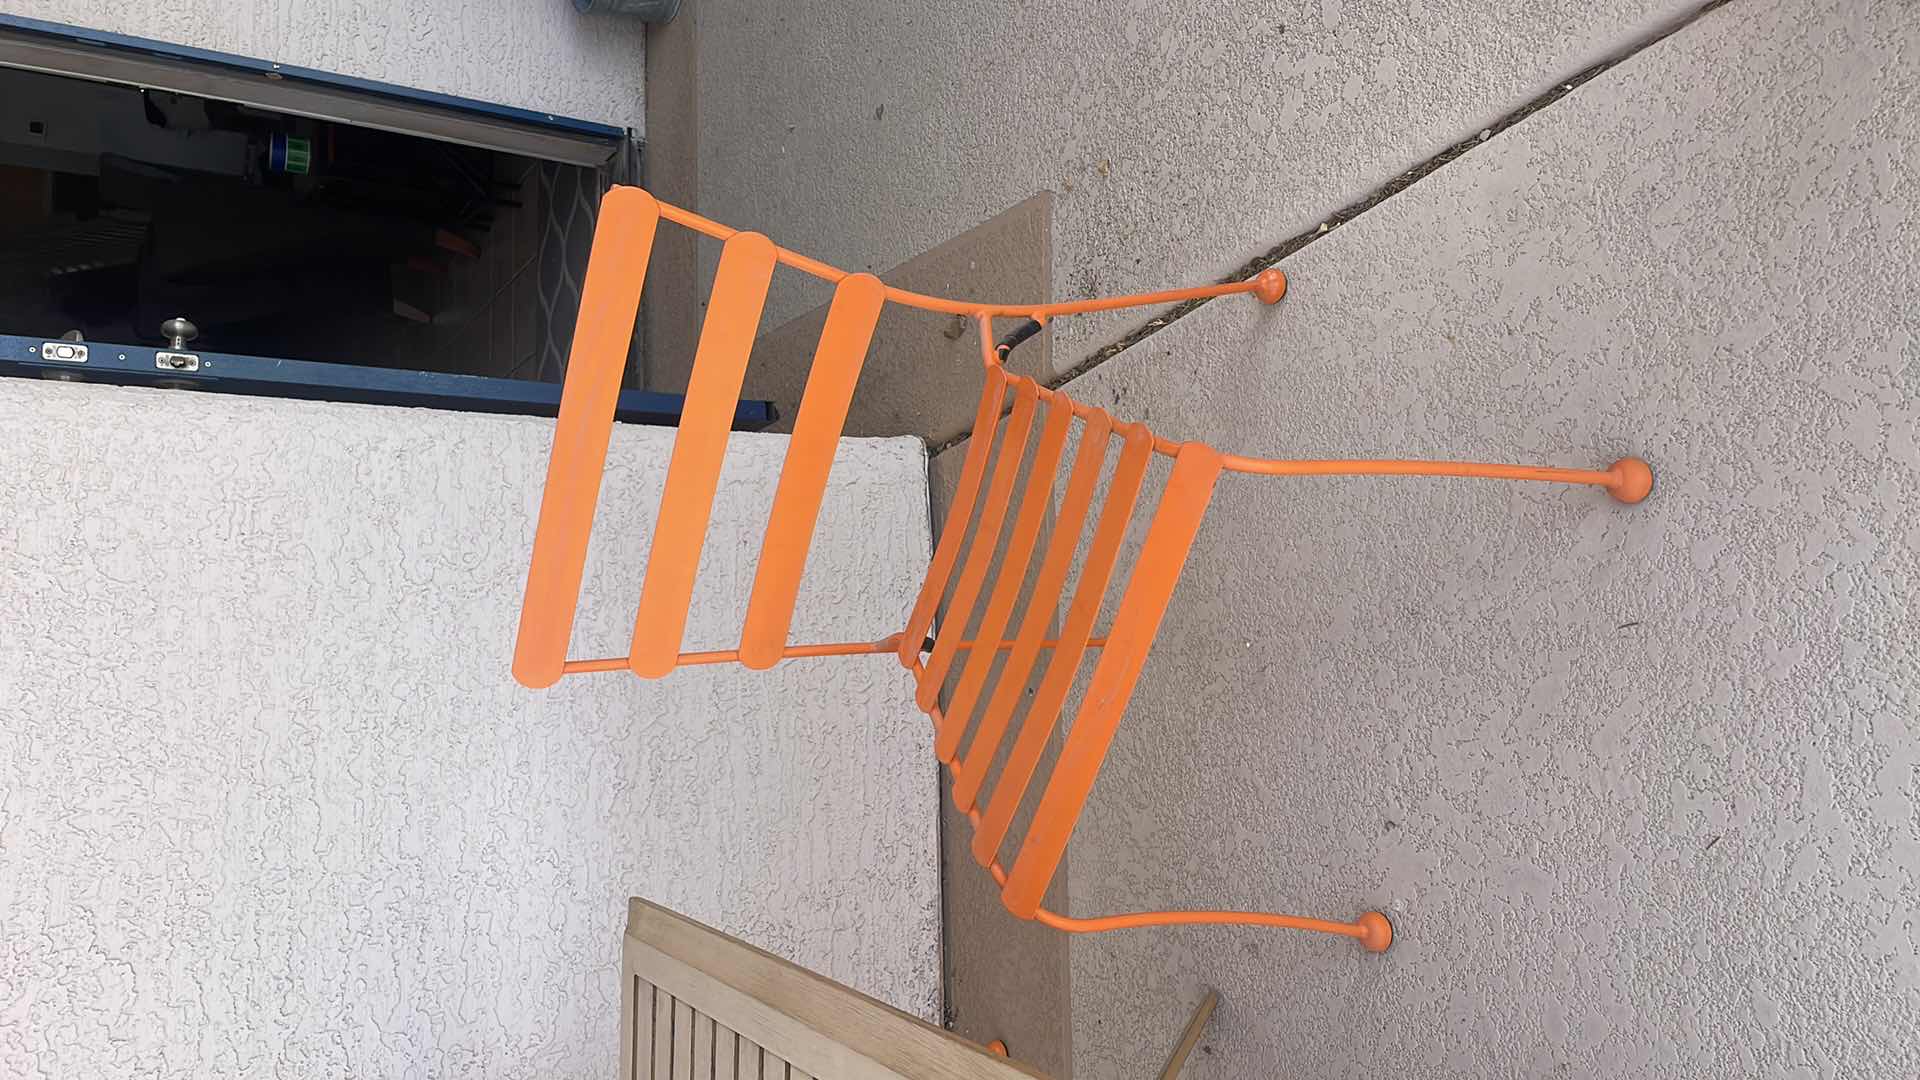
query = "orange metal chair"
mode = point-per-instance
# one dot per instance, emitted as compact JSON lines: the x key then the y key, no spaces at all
{"x":622,"y":242}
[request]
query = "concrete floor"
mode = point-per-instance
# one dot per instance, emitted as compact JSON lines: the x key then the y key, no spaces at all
{"x":1179,"y":138}
{"x":1639,"y":786}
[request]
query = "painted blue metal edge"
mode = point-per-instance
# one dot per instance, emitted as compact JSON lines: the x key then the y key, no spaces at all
{"x":226,"y":373}
{"x":170,"y":51}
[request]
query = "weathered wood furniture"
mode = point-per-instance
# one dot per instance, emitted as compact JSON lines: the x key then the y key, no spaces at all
{"x":699,"y":1005}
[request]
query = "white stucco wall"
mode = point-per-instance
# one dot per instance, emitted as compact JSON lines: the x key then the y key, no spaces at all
{"x":271,"y":804}
{"x":533,"y":54}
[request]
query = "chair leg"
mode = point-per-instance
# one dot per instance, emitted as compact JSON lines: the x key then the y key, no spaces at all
{"x":1629,"y":480}
{"x":1371,"y":929}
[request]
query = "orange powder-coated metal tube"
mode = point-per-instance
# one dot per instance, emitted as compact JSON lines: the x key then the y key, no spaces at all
{"x":833,"y":274}
{"x":987,"y":354}
{"x":1371,"y":929}
{"x":798,"y":652}
{"x":1628,"y":480}
{"x":1370,"y":467}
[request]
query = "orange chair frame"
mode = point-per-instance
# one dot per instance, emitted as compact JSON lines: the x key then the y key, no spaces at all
{"x":623,"y":241}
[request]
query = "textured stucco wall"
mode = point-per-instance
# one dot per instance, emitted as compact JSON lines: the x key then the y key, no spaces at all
{"x":533,"y":54}
{"x":1179,"y":138}
{"x":1640,"y":786}
{"x":270,"y":803}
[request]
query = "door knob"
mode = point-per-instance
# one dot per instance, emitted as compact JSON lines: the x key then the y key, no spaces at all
{"x":178,"y":331}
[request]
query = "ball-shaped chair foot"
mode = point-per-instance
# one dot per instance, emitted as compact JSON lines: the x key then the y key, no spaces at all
{"x":1632,"y":480}
{"x":1270,"y":285}
{"x":1379,"y":932}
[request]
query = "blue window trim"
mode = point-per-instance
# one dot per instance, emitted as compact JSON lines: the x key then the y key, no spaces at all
{"x":169,"y":51}
{"x":226,"y":373}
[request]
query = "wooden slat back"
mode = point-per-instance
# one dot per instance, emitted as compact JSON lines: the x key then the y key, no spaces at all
{"x":662,"y":1056}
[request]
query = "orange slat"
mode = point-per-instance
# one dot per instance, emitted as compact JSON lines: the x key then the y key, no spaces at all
{"x":1136,"y":450}
{"x":693,"y":472}
{"x":609,"y":303}
{"x":1169,"y":538}
{"x":985,"y":420}
{"x":1034,"y":503}
{"x":986,"y":537}
{"x":1047,"y":591}
{"x":803,"y":477}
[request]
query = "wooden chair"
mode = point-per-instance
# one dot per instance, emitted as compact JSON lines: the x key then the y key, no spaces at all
{"x":1011,"y":407}
{"x":696,"y":1003}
